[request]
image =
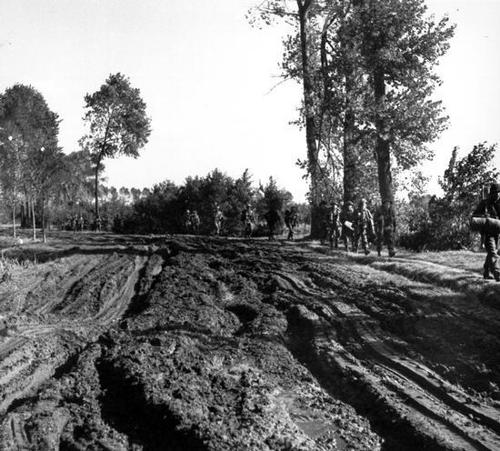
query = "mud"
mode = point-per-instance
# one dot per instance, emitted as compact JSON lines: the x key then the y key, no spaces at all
{"x":191,"y":343}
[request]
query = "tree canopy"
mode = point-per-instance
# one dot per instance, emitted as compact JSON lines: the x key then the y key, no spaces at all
{"x":117,"y":123}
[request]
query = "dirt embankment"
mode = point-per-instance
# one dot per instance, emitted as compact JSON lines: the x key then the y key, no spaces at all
{"x":212,"y":344}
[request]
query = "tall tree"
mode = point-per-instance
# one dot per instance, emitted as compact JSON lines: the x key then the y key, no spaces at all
{"x":118,"y":124}
{"x":370,"y":69}
{"x":303,"y":15}
{"x":399,"y":48}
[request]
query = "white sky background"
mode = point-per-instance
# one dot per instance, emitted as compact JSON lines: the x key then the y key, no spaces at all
{"x":206,"y":76}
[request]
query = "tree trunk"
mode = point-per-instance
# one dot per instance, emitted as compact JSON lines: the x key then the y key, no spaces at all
{"x":44,"y":235}
{"x":382,"y":147}
{"x":14,"y":219}
{"x":33,"y":218}
{"x":349,"y":151}
{"x":351,"y":178}
{"x":310,"y":125}
{"x":96,"y":190}
{"x":23,"y":213}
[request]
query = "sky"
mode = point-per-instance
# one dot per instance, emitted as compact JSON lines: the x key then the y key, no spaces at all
{"x":211,"y":81}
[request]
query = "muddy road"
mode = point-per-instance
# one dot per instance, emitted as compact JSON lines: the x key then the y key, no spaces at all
{"x":117,"y":343}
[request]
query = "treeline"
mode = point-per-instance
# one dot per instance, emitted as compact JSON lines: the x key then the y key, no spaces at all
{"x":42,"y":187}
{"x":34,"y":172}
{"x":163,"y":208}
{"x":38,"y":181}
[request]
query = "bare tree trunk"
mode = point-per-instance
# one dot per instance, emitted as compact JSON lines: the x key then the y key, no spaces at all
{"x":44,"y":235}
{"x":382,"y":146}
{"x":96,"y":190}
{"x":14,"y":219}
{"x":311,"y":129}
{"x":349,"y":150}
{"x":33,"y":218}
{"x":23,"y":212}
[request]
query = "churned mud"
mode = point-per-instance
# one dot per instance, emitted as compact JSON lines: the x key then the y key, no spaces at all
{"x":196,"y":343}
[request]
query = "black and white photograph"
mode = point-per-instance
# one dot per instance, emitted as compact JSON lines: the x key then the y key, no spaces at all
{"x":249,"y":225}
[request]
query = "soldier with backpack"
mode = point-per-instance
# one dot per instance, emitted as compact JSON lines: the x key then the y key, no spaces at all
{"x":347,"y":221}
{"x":334,"y":229}
{"x":247,"y":218}
{"x":291,"y":219}
{"x":363,"y":226}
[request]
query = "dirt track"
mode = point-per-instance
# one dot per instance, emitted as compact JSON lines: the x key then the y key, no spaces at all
{"x":197,"y":343}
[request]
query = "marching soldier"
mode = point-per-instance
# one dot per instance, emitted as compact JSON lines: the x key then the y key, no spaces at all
{"x":195,"y":222}
{"x":218,"y":219}
{"x":187,"y":221}
{"x":291,"y":218}
{"x":363,"y":226}
{"x":347,"y":220}
{"x":74,"y":223}
{"x":247,"y":220}
{"x":334,"y":226}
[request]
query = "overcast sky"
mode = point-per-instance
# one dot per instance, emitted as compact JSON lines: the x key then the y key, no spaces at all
{"x":207,"y":78}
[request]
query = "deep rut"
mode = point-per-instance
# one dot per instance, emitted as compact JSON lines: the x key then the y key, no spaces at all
{"x":82,"y":310}
{"x":427,"y":411}
{"x":221,"y":343}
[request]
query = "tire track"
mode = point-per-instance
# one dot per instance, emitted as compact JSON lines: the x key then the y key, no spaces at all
{"x":419,"y":387}
{"x":31,"y":353}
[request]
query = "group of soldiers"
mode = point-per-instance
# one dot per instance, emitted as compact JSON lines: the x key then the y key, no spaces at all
{"x":192,"y":222}
{"x":273,"y":219}
{"x":248,"y":221}
{"x":78,"y":224}
{"x":354,"y":225}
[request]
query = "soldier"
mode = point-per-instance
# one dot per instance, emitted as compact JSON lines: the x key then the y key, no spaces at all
{"x":98,"y":224}
{"x":334,"y":225}
{"x":363,"y":226}
{"x":218,"y":218}
{"x":195,"y":222}
{"x":490,"y":208}
{"x":187,"y":221}
{"x":347,"y":220}
{"x":247,"y":219}
{"x":273,"y":218}
{"x":291,"y":218}
{"x":385,"y":227}
{"x":74,"y":223}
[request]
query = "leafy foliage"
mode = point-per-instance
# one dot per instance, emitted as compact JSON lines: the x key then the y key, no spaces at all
{"x":162,"y":210}
{"x":117,"y":121}
{"x":371,"y":72}
{"x":443,"y":222}
{"x":30,"y":161}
